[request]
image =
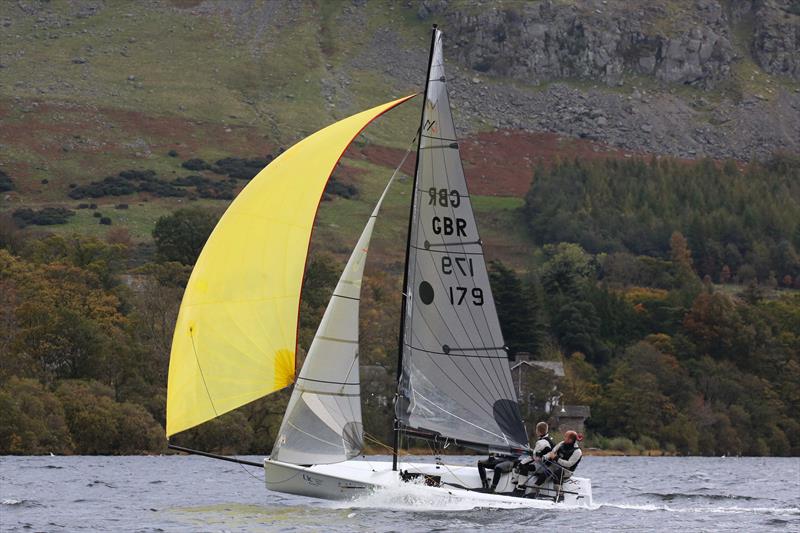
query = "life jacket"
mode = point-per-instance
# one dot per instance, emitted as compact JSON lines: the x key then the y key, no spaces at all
{"x":565,"y":451}
{"x":549,"y":447}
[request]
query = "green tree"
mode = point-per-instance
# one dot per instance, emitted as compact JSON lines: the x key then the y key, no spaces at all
{"x":577,"y":328}
{"x":518,"y":309}
{"x":567,"y":270}
{"x":581,"y":384}
{"x":100,"y":425}
{"x":637,"y":400}
{"x":717,"y":329}
{"x":227,"y":434}
{"x":679,"y":250}
{"x":182,"y":235}
{"x":32,"y":419}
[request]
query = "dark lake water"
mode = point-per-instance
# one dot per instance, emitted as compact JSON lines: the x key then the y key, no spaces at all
{"x":179,"y":493}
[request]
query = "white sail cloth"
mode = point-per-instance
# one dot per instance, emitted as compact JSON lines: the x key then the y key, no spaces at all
{"x":322,"y":424}
{"x":455,"y":381}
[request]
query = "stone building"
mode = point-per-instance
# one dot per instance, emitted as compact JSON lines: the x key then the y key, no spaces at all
{"x":571,"y":417}
{"x":537,"y":386}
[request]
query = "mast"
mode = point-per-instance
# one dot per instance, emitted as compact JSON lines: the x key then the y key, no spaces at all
{"x":396,"y":426}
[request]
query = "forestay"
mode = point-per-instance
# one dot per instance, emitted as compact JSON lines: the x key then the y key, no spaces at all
{"x":455,"y":380}
{"x":322,"y":423}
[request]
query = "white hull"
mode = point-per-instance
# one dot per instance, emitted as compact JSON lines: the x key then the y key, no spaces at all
{"x":356,"y":478}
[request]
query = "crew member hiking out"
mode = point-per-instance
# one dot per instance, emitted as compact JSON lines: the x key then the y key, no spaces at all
{"x":562,"y":461}
{"x":544,"y":443}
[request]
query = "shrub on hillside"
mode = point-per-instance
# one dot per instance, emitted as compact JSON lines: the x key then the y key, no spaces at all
{"x":195,"y":164}
{"x":47,"y":216}
{"x":337,"y":188}
{"x":6,"y":183}
{"x":160,"y":188}
{"x":192,"y":180}
{"x":109,"y":186}
{"x":239,"y":168}
{"x":138,"y":175}
{"x":127,"y":182}
{"x":207,"y":188}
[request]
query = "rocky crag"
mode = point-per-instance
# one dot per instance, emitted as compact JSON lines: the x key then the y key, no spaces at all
{"x":689,"y":78}
{"x":692,"y":43}
{"x":708,"y":77}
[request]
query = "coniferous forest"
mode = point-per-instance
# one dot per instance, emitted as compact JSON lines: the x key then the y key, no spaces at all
{"x":669,"y":289}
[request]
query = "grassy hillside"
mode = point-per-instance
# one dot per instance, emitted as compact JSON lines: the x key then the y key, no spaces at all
{"x":87,"y":94}
{"x":90,"y":90}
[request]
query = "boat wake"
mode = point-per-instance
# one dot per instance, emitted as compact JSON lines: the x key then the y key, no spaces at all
{"x":421,"y":498}
{"x":792,"y":511}
{"x":673,"y":496}
{"x":417,"y":497}
{"x":11,"y":502}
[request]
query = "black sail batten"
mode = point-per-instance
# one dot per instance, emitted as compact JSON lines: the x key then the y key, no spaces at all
{"x":463,"y":394}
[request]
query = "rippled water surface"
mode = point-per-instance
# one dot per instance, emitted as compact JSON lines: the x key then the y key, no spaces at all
{"x":198,"y":494}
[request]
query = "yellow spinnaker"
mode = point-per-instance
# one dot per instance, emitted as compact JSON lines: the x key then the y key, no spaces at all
{"x":236,"y":332}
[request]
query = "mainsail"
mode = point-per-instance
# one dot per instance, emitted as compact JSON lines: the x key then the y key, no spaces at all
{"x":322,"y":423}
{"x":236,"y":332}
{"x":455,"y":380}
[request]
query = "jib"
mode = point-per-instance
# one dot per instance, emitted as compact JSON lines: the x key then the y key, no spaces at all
{"x":448,"y":226}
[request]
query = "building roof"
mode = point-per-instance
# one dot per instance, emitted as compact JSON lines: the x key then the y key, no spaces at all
{"x":573,"y":411}
{"x":556,"y":367}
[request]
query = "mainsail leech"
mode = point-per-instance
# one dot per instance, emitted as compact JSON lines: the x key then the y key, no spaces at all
{"x":236,"y":332}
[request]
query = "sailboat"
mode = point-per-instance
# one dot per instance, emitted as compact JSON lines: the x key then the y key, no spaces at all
{"x":236,"y":332}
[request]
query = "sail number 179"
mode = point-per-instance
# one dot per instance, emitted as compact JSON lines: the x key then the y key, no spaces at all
{"x":457,"y":265}
{"x":461,"y":295}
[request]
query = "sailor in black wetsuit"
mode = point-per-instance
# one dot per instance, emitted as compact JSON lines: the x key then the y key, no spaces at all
{"x":501,"y":464}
